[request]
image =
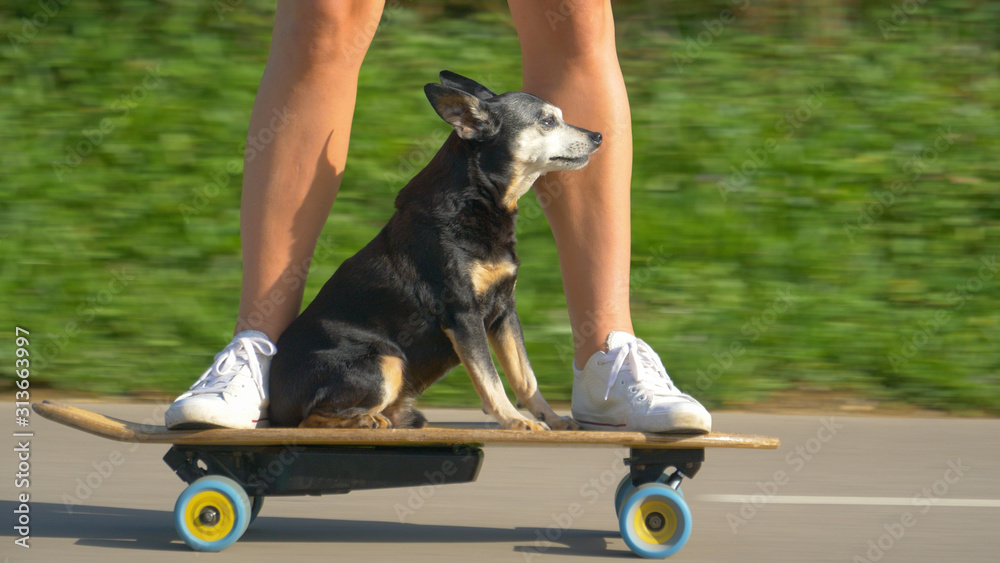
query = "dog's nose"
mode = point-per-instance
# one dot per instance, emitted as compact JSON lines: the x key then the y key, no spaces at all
{"x":595,"y":138}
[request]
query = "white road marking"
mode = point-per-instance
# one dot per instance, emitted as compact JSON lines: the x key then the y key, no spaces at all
{"x":854,"y":501}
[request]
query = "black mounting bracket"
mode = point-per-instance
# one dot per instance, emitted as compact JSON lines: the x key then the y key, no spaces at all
{"x":316,"y":470}
{"x":648,"y":465}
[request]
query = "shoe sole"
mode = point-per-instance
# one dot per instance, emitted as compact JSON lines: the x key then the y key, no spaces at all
{"x":201,"y":419}
{"x":680,"y":426}
{"x":599,"y":426}
{"x":195,"y":425}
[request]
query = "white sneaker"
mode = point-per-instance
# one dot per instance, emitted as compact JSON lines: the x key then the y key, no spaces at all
{"x":627,"y":388}
{"x":233,"y":392}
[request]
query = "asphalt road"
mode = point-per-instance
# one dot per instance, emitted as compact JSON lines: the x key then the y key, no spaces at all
{"x":839,"y":489}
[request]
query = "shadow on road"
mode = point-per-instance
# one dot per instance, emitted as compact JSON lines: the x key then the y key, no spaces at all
{"x":132,"y":528}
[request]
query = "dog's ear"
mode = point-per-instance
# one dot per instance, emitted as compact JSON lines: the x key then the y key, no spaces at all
{"x":467,"y":85}
{"x":469,"y":115}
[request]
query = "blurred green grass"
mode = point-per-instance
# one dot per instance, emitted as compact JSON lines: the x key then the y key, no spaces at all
{"x":852,"y":255}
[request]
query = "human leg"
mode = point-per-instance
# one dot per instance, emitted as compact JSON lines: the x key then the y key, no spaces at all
{"x":289,"y":183}
{"x":573,"y":63}
{"x":296,"y":151}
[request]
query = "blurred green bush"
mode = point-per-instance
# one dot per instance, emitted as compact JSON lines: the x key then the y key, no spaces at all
{"x":815,"y":200}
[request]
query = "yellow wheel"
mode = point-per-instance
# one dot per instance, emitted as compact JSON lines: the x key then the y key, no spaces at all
{"x":212,"y":513}
{"x":655,"y":521}
{"x":625,"y":488}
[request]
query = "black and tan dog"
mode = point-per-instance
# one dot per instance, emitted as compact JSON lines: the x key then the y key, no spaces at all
{"x":436,"y":286}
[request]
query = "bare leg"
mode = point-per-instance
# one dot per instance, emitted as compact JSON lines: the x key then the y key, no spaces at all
{"x":573,"y":63}
{"x":296,"y":150}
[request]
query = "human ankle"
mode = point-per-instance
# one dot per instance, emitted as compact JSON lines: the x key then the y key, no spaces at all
{"x":586,"y":348}
{"x":270,"y":332}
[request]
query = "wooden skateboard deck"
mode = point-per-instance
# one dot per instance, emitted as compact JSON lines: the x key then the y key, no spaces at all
{"x":441,"y":434}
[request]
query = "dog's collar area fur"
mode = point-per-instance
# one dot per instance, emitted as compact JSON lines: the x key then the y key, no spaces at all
{"x":459,"y":174}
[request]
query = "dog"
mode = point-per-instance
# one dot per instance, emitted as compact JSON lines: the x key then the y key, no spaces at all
{"x":436,"y":286}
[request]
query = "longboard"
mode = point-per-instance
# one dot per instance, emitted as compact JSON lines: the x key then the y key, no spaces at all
{"x":230,"y":472}
{"x":441,"y":434}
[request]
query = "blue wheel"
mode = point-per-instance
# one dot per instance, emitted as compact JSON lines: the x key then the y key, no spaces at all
{"x":625,"y":488}
{"x":655,"y":521}
{"x":256,"y":503}
{"x":212,"y":513}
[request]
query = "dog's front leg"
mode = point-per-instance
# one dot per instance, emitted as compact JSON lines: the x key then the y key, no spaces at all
{"x":507,"y":340}
{"x":469,"y":340}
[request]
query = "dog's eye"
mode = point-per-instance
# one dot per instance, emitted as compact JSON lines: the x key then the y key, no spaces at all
{"x":549,"y":121}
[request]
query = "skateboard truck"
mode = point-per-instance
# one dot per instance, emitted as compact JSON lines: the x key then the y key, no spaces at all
{"x":648,"y":466}
{"x":653,"y":516}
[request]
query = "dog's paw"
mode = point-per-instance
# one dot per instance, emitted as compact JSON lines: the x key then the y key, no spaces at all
{"x":523,"y":424}
{"x":564,"y":423}
{"x":376,"y":420}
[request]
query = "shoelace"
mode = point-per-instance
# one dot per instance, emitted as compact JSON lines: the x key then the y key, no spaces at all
{"x":218,"y":377}
{"x":643,"y":360}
